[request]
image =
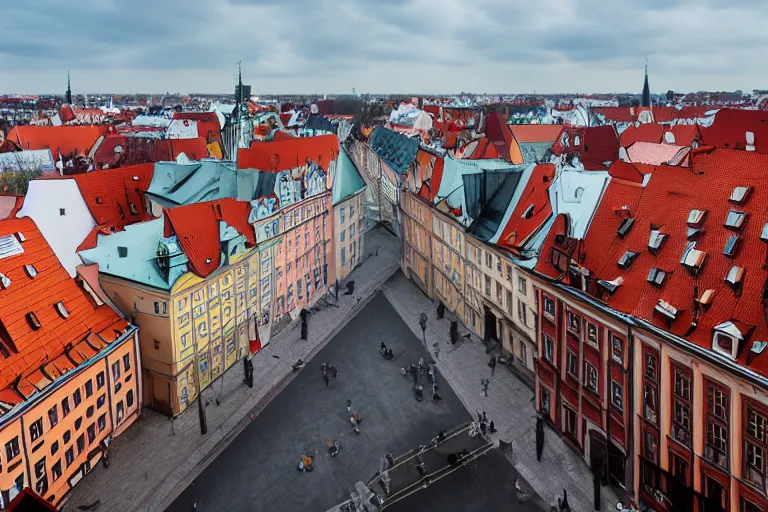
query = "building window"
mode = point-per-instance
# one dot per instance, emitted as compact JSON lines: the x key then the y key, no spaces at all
{"x":53,"y":416}
{"x":544,"y":401}
{"x":574,"y":322}
{"x":343,"y":256}
{"x":510,"y":303}
{"x":617,"y":350}
{"x":80,"y":444}
{"x":499,"y":296}
{"x":569,"y":420}
{"x":509,"y":272}
{"x":161,"y":307}
{"x":488,"y":260}
{"x":120,"y":412}
{"x":11,"y":449}
{"x":352,"y":230}
{"x":88,"y":388}
{"x":36,"y":429}
{"x":342,"y":215}
{"x":69,"y":456}
{"x":549,"y":348}
{"x":522,"y":313}
{"x":67,"y":436}
{"x":61,"y":309}
{"x":617,"y":395}
{"x":342,"y":236}
{"x":77,"y":397}
{"x":650,"y":447}
{"x":126,"y":362}
{"x":115,"y":371}
{"x":651,"y":367}
{"x":42,"y":478}
{"x":523,"y":353}
{"x":101,"y":401}
{"x":129,"y":398}
{"x":100,"y":380}
{"x":651,"y":403}
{"x":522,"y":286}
{"x":590,"y":377}
{"x":592,"y":334}
{"x":681,"y":406}
{"x":572,"y":364}
{"x":717,"y":418}
{"x":748,"y":506}
{"x":56,"y":471}
{"x":549,"y":308}
{"x":755,"y":447}
{"x":91,"y":430}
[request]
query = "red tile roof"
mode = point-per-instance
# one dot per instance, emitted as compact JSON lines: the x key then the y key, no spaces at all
{"x":666,"y":202}
{"x":197,"y":228}
{"x":649,"y":132}
{"x":482,"y":150}
{"x":596,"y":145}
{"x":683,"y":134}
{"x":657,"y":154}
{"x":288,"y":154}
{"x":57,"y":138}
{"x":730,"y":127}
{"x":498,"y":132}
{"x":115,"y":197}
{"x":208,"y":127}
{"x":524,"y":221}
{"x":29,"y":349}
{"x":535,"y":132}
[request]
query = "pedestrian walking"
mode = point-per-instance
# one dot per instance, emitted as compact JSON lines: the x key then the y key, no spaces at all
{"x":485,"y":383}
{"x":483,"y":427}
{"x":492,"y":428}
{"x":479,"y":417}
{"x":492,"y":364}
{"x":485,"y":418}
{"x":436,"y":347}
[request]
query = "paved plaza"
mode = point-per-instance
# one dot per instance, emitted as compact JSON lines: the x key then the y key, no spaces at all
{"x":257,"y":471}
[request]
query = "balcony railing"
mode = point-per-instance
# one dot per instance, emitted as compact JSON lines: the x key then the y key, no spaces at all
{"x":715,"y":456}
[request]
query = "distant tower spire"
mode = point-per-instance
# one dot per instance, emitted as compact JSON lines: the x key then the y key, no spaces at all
{"x":646,"y":101}
{"x":69,"y":90}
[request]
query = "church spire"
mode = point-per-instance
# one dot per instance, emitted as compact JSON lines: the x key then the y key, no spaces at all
{"x":69,"y":90}
{"x":646,"y":100}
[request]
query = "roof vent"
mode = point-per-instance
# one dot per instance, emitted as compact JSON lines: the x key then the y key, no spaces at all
{"x":656,"y":240}
{"x":657,"y":276}
{"x":696,"y":218}
{"x":122,"y":251}
{"x":740,"y":195}
{"x":610,"y":286}
{"x":759,"y":346}
{"x":627,"y":259}
{"x":705,"y":299}
{"x":693,"y":258}
{"x":208,"y":260}
{"x":31,"y":271}
{"x":734,"y":277}
{"x":5,"y":281}
{"x":625,"y":227}
{"x":750,"y":141}
{"x":9,"y":246}
{"x":666,"y":309}
{"x":732,"y":246}
{"x":735,"y":219}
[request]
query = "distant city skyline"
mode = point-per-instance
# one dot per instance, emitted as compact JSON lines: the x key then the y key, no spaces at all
{"x":394,"y":46}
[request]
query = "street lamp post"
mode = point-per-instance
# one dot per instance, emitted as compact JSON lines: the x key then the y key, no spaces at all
{"x":423,"y":325}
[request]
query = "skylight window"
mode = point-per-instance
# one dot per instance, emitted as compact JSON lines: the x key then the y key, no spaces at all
{"x":693,"y":258}
{"x":734,"y":277}
{"x":764,"y":233}
{"x":693,"y":233}
{"x":5,"y":281}
{"x":705,"y":299}
{"x":33,"y":321}
{"x":31,"y":271}
{"x":759,"y":346}
{"x":61,"y":309}
{"x":740,"y":195}
{"x":732,"y":246}
{"x":657,"y":276}
{"x":735,"y":219}
{"x":666,"y":309}
{"x":9,"y":246}
{"x":696,"y":217}
{"x":656,"y":240}
{"x":528,"y":213}
{"x":611,"y":286}
{"x":627,"y":259}
{"x":625,"y":227}
{"x":21,"y":237}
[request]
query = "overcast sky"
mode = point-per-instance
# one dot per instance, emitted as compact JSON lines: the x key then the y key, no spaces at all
{"x":420,"y":46}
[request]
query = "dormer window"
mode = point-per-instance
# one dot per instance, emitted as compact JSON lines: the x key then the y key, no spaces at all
{"x":693,"y":234}
{"x":723,"y":343}
{"x":31,"y":271}
{"x":627,"y":259}
{"x":656,"y":240}
{"x":693,"y":258}
{"x":33,"y":321}
{"x":666,"y":309}
{"x":706,"y":297}
{"x":61,"y":309}
{"x":740,"y":195}
{"x":732,"y":246}
{"x":727,"y":338}
{"x":657,"y":276}
{"x":528,"y":213}
{"x":764,"y":233}
{"x":696,"y":217}
{"x":611,"y":286}
{"x":625,"y":227}
{"x":5,"y":281}
{"x":734,"y":277}
{"x":750,"y":136}
{"x":735,"y":219}
{"x":20,"y":236}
